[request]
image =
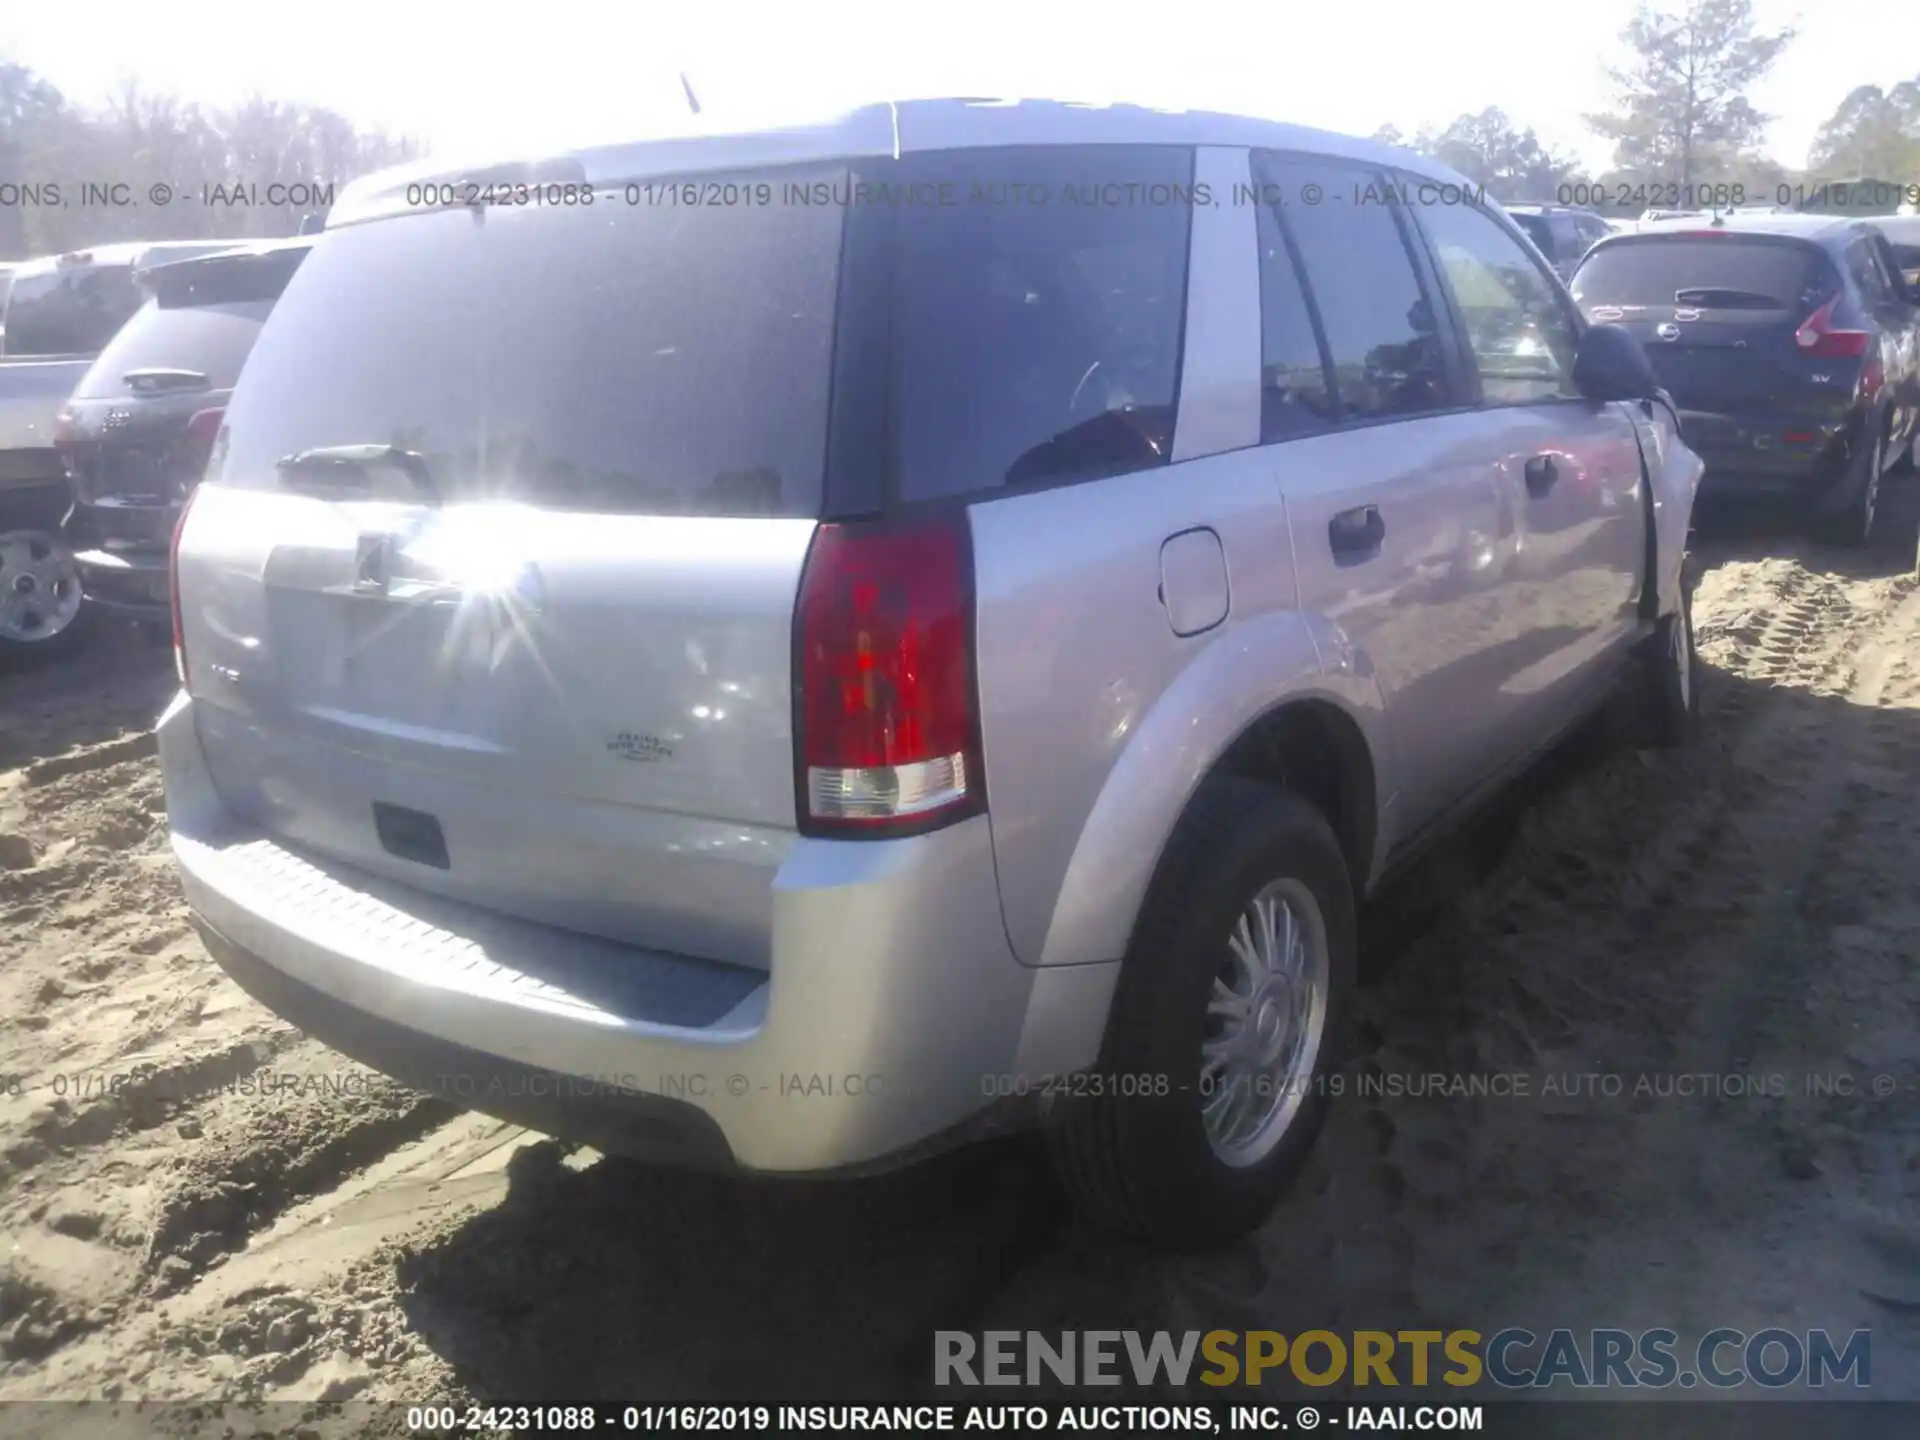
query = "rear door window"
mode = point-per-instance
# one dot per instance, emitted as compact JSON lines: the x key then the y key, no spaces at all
{"x":1382,"y":332}
{"x":1036,"y":313}
{"x":612,"y":357}
{"x":1725,"y":271}
{"x":70,"y":311}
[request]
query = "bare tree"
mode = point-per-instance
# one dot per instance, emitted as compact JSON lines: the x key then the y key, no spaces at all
{"x":151,"y":166}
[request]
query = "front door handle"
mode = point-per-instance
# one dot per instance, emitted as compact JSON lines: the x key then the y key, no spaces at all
{"x":1541,"y":475}
{"x":1356,"y":535}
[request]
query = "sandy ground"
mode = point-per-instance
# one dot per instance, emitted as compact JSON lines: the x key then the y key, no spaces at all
{"x":173,"y":1225}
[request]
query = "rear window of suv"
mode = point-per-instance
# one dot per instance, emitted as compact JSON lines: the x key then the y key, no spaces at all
{"x":1006,"y":317}
{"x":1654,"y":270}
{"x":69,"y":311}
{"x":645,"y":358}
{"x":204,"y":318}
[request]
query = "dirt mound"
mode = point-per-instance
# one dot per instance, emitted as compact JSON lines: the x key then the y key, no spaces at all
{"x":1641,"y":1050}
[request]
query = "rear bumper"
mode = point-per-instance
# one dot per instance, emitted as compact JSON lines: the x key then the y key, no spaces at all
{"x":1771,"y":456}
{"x":129,"y":583}
{"x":892,"y":1008}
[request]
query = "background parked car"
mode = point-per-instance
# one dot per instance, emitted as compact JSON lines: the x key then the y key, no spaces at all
{"x":59,"y":312}
{"x":1561,"y":233}
{"x":1790,"y":343}
{"x":135,"y":437}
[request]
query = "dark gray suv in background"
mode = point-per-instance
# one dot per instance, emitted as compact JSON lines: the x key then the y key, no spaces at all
{"x":135,"y":435}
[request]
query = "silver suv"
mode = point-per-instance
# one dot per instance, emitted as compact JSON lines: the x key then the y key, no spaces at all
{"x":787,"y":651}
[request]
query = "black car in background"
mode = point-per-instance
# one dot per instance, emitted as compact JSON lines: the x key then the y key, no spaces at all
{"x":1790,"y":344}
{"x":1561,"y":233}
{"x":135,"y":436}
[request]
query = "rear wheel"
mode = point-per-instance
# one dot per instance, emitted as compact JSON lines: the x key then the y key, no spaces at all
{"x":39,"y":595}
{"x":1217,"y":1069}
{"x":1854,"y":523}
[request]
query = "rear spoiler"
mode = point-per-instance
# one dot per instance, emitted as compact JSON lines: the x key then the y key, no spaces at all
{"x":156,"y":278}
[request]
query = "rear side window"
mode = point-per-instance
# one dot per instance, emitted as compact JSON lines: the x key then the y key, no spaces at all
{"x":1715,"y":272}
{"x":1382,"y":332}
{"x":643,"y":358}
{"x":1295,"y":398}
{"x":1036,"y":313}
{"x":69,"y":312}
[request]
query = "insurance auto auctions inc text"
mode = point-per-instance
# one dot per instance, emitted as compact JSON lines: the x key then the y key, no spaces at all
{"x":1513,"y":1358}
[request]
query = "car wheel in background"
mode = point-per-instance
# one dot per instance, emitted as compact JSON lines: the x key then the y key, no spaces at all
{"x":1220,"y":1050}
{"x":1854,"y":523}
{"x":40,"y":601}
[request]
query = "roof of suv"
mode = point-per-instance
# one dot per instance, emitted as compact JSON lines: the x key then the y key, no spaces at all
{"x":1751,"y":222}
{"x":125,"y":252}
{"x":889,"y":128}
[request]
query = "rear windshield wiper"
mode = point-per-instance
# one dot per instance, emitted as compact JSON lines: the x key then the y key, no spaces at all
{"x":352,"y":464}
{"x":1708,"y":297}
{"x":160,"y":378}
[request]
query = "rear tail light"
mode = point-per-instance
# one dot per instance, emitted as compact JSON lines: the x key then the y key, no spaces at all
{"x":203,"y":427}
{"x":173,"y":592}
{"x":1819,"y":339}
{"x":888,"y":717}
{"x":63,"y":428}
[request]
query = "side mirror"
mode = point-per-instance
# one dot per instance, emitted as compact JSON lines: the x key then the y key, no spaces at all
{"x":1609,"y":364}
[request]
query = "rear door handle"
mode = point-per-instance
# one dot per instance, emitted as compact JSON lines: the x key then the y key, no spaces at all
{"x":1541,"y":475}
{"x":1356,"y":535}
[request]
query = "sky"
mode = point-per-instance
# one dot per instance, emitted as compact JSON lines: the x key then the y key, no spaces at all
{"x":562,"y":72}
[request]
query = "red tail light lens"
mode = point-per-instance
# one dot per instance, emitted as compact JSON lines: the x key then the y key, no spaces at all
{"x":889,"y":732}
{"x":203,"y":427}
{"x":1819,"y":340}
{"x":173,"y":592}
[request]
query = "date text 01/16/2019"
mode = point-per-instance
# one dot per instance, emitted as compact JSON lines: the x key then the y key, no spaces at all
{"x":1866,"y":196}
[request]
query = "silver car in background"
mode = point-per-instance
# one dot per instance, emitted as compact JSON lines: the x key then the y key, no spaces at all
{"x":807,"y":647}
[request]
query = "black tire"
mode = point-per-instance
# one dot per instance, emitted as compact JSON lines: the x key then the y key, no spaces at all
{"x":1141,"y":1164}
{"x":20,"y":657}
{"x":1671,"y":677}
{"x":1854,"y":524}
